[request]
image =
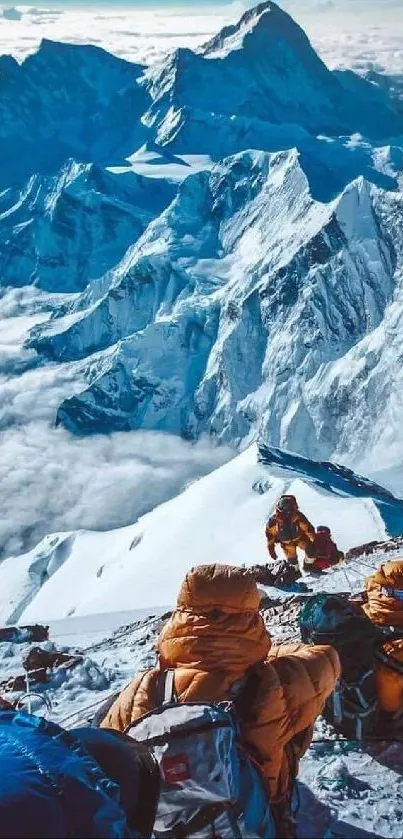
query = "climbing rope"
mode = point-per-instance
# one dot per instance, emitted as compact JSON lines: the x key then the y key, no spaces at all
{"x":91,"y":707}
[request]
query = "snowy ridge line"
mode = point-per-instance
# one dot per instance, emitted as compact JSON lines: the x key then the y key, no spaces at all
{"x":339,"y":480}
{"x":332,"y":476}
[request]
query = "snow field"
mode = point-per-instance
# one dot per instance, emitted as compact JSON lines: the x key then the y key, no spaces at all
{"x":219,"y":518}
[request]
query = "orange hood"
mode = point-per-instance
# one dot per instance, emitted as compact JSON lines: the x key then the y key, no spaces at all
{"x":217,"y":625}
{"x":385,"y":594}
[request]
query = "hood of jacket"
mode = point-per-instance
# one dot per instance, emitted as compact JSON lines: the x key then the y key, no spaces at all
{"x":385,"y":594}
{"x":216,"y":625}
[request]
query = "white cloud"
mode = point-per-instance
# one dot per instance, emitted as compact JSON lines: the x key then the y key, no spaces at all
{"x":51,"y":480}
{"x":347,"y":33}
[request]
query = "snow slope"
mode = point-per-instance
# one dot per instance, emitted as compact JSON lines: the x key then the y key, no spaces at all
{"x":219,"y":518}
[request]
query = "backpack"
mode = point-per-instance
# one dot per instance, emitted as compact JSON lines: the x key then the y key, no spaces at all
{"x":51,"y":785}
{"x":287,"y":528}
{"x":210,"y":785}
{"x":332,"y":619}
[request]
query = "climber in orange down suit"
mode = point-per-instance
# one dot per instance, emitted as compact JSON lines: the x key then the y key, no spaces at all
{"x":289,"y":528}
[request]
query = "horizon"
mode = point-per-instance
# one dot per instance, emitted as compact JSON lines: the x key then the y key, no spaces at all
{"x":293,"y":6}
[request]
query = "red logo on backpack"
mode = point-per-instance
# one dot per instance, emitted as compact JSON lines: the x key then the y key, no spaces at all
{"x":175,"y":769}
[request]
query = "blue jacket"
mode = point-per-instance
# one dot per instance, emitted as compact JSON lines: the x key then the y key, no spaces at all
{"x":50,"y":787}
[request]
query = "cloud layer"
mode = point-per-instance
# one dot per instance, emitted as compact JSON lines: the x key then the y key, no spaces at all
{"x":50,"y":480}
{"x":347,"y":33}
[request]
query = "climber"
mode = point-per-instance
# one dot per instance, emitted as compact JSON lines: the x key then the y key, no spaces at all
{"x":384,"y":595}
{"x":214,"y":641}
{"x":323,"y":551}
{"x":384,"y":607}
{"x":289,"y":527}
{"x":333,"y":619}
{"x":369,"y":697}
{"x":83,"y":782}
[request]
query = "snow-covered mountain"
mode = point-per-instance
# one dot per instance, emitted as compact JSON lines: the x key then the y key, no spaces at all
{"x":232,"y":306}
{"x":61,"y":231}
{"x":67,"y":101}
{"x":210,"y":245}
{"x":220,"y":518}
{"x":265,"y":68}
{"x":258,"y":84}
{"x":215,"y":241}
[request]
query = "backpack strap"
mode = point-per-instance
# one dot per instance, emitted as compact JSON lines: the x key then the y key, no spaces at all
{"x":356,"y":711}
{"x":103,"y":710}
{"x":166,"y":693}
{"x":389,"y":661}
{"x":244,"y":697}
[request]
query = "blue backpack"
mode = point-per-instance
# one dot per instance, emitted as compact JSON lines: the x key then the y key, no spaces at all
{"x":51,"y":787}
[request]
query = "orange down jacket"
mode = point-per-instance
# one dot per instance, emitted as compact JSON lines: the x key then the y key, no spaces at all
{"x":385,"y":595}
{"x":305,"y":530}
{"x":385,"y":608}
{"x":389,"y":676}
{"x":214,"y":636}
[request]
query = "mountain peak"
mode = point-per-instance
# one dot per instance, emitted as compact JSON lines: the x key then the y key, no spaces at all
{"x":267,"y":20}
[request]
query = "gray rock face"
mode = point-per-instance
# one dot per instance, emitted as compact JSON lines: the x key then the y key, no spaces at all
{"x":60,"y":232}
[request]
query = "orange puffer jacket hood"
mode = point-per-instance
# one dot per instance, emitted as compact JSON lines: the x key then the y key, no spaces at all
{"x":385,"y":595}
{"x":213,"y":638}
{"x":217,"y":625}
